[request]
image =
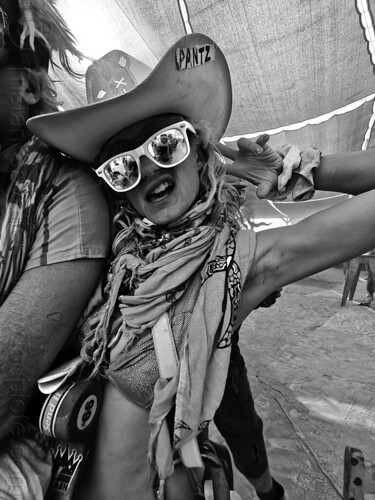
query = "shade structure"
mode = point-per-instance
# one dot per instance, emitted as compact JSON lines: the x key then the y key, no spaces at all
{"x":301,"y":70}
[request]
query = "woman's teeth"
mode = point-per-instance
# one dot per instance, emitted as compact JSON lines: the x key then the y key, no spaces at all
{"x":160,"y":191}
{"x":162,"y":187}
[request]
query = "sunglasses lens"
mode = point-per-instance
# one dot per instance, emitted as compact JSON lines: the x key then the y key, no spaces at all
{"x":169,"y":148}
{"x":122,"y":173}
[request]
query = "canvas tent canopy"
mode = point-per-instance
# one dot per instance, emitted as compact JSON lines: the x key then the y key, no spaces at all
{"x":302,"y":70}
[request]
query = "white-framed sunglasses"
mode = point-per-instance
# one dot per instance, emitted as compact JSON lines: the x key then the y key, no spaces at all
{"x":166,"y":148}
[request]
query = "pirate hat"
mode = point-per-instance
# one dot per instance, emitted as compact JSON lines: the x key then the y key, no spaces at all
{"x":192,"y":79}
{"x":114,"y":74}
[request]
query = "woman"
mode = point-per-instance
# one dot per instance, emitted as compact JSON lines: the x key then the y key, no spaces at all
{"x":182,"y":265}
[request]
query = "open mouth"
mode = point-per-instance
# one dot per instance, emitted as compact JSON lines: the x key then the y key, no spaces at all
{"x":160,"y":192}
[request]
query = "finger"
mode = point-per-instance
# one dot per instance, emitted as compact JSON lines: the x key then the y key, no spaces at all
{"x":263,"y":189}
{"x":227,"y":151}
{"x":249,"y":146}
{"x":262,"y":139}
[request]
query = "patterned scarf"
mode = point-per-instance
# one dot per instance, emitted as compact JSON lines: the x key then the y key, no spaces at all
{"x":148,"y":276}
{"x":34,"y":172}
{"x":149,"y":273}
{"x":197,"y":389}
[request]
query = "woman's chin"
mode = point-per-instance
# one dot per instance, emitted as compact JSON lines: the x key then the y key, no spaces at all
{"x":164,"y":213}
{"x":161,"y":220}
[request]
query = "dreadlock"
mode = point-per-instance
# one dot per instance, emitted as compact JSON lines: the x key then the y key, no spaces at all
{"x":37,"y":39}
{"x":44,"y":30}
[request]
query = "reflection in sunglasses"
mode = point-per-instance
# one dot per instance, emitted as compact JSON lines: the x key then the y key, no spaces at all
{"x":168,"y":148}
{"x":165,"y":147}
{"x":122,"y":173}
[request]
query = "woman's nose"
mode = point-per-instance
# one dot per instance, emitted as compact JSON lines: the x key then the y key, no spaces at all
{"x":148,"y":167}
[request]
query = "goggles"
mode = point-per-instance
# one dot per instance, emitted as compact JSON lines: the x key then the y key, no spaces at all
{"x":166,"y":148}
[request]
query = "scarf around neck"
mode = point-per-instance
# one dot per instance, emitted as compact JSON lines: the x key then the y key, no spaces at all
{"x":149,"y":273}
{"x":148,"y":276}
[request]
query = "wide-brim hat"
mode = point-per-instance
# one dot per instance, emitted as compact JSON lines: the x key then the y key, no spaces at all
{"x":192,"y":79}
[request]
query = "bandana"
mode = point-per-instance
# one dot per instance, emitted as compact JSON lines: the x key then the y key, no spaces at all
{"x":197,"y":389}
{"x":31,"y":180}
{"x":149,"y":269}
{"x":149,"y":275}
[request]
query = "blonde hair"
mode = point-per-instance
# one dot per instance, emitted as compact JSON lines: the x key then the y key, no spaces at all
{"x":214,"y":182}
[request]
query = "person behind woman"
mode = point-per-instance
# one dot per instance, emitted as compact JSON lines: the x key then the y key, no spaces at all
{"x":182,"y":258}
{"x":54,"y":236}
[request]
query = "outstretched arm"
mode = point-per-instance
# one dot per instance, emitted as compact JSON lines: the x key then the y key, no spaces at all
{"x":351,"y":173}
{"x":327,"y":238}
{"x":287,"y":254}
{"x":270,"y":169}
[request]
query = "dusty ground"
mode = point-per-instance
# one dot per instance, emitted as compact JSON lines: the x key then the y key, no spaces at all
{"x":312,"y":371}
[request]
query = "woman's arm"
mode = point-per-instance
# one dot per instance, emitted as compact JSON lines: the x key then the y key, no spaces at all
{"x":287,"y":254}
{"x":351,"y":173}
{"x":325,"y":239}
